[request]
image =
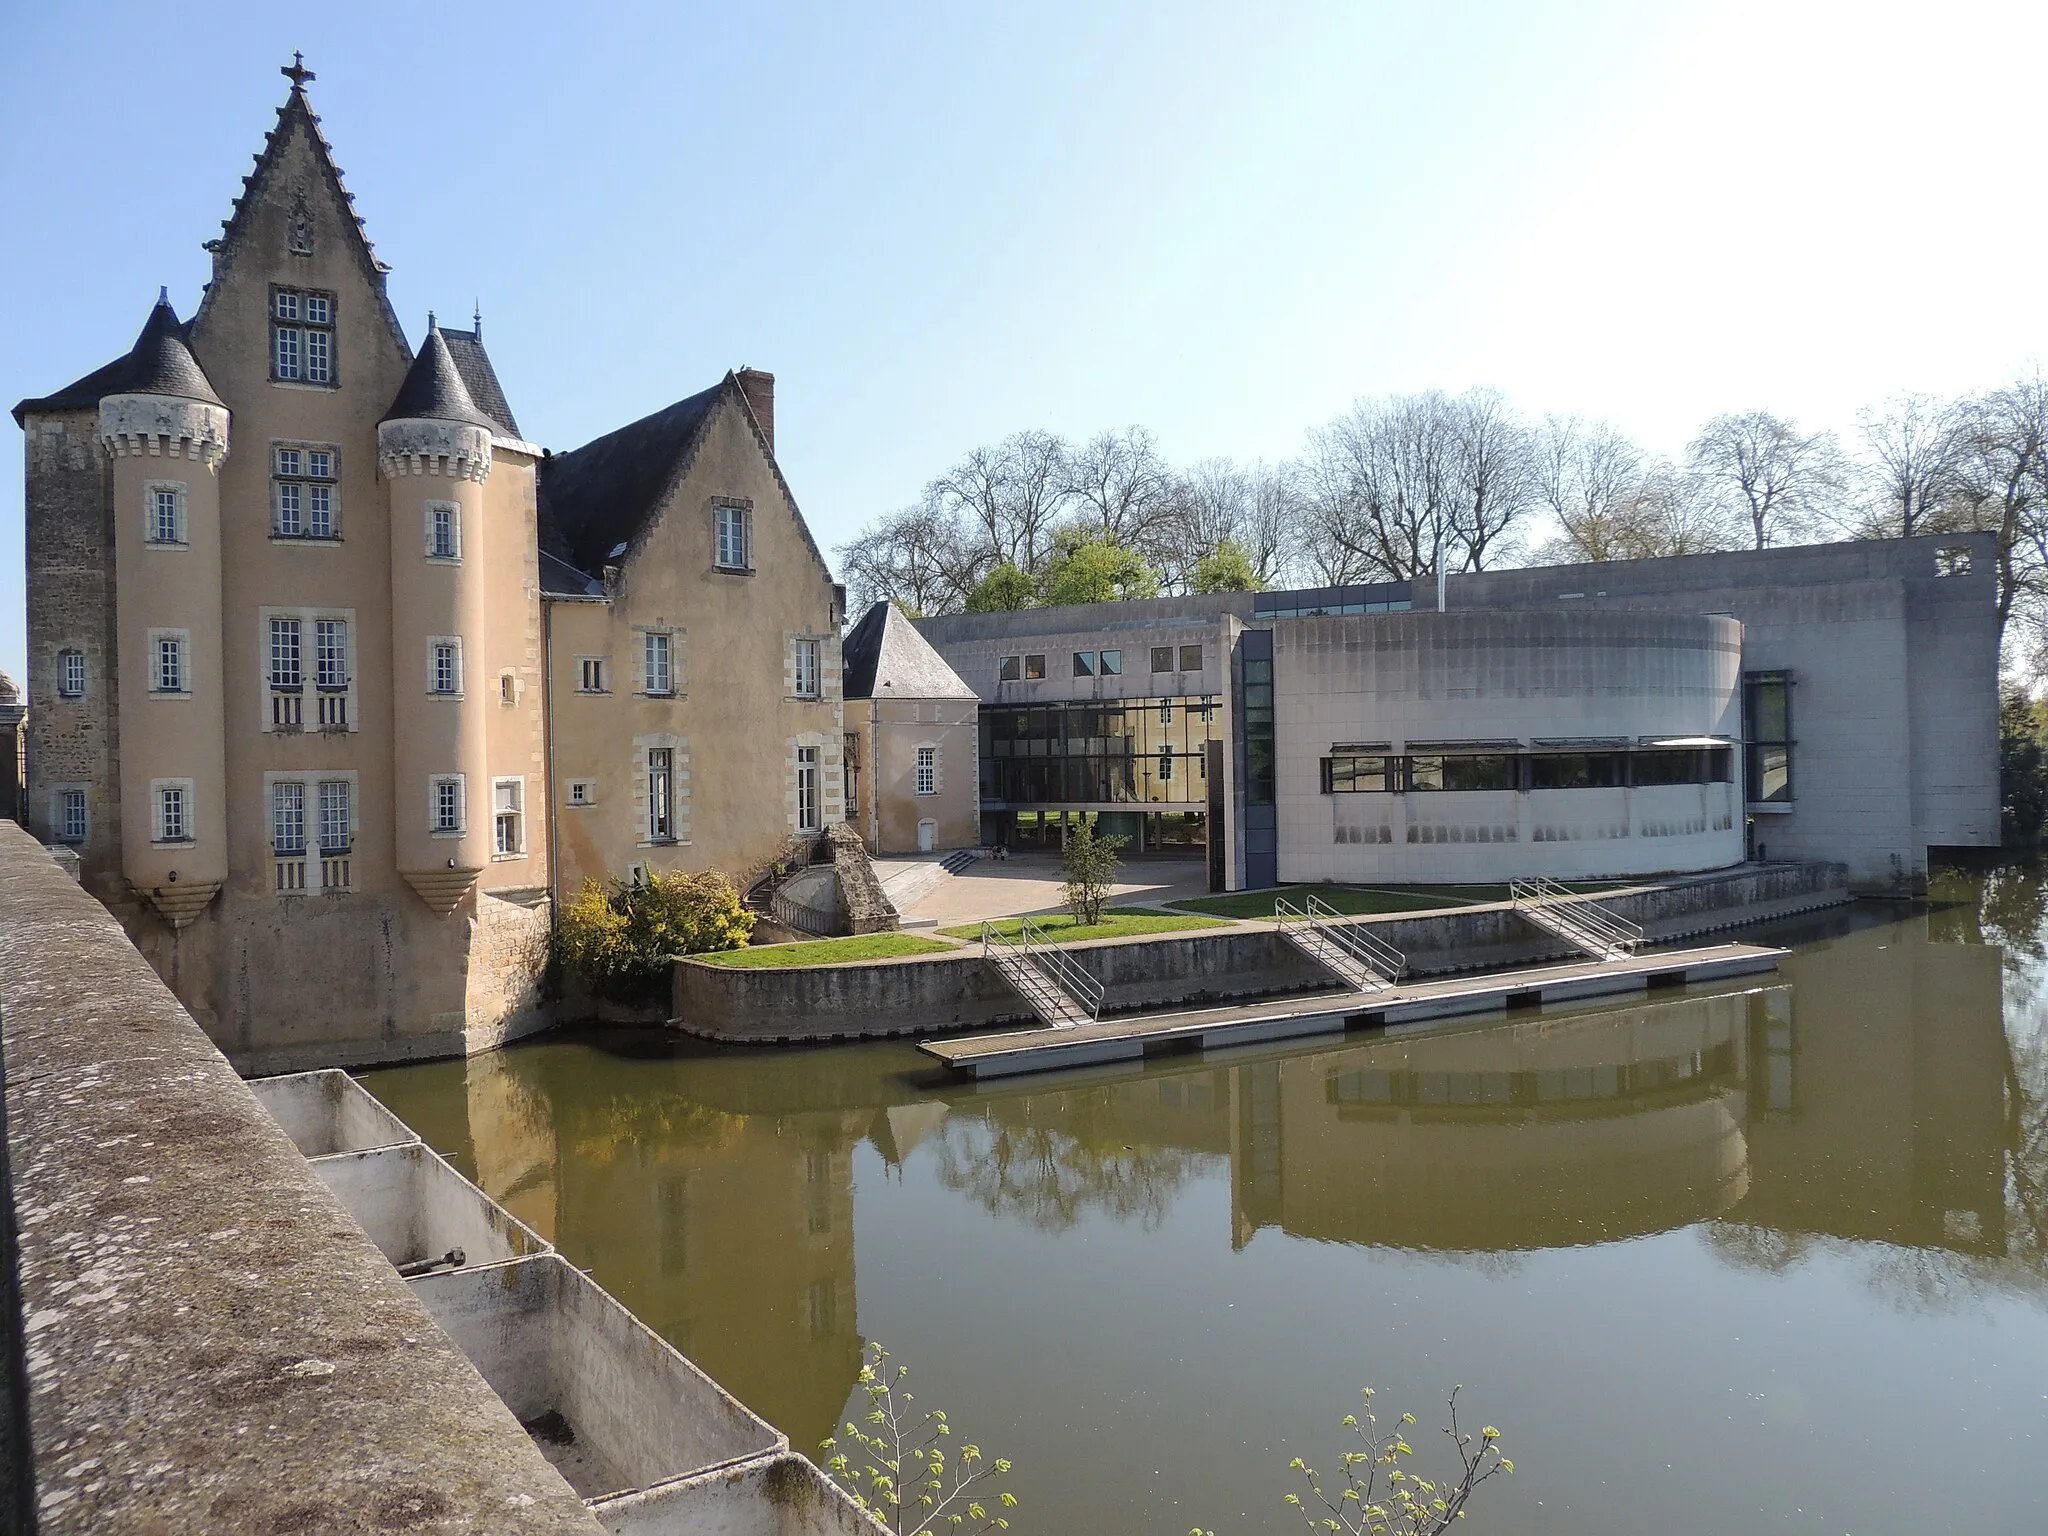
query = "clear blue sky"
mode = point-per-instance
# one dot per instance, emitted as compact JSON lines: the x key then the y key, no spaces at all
{"x":942,"y":223}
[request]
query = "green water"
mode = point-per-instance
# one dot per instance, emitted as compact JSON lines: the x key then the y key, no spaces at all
{"x":1773,"y":1258}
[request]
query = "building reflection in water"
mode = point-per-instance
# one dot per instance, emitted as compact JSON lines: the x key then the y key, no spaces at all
{"x":1868,"y":1096}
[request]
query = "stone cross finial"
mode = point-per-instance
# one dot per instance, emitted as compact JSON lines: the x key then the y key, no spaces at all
{"x":296,"y":71}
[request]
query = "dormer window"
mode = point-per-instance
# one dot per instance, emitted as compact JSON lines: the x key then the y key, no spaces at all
{"x":301,"y":336}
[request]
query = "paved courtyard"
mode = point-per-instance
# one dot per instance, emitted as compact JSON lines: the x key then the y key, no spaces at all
{"x":1030,"y":883}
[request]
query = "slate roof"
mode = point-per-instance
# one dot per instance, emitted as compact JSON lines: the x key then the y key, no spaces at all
{"x":883,"y":656}
{"x":599,"y":497}
{"x":158,"y":364}
{"x":558,"y":578}
{"x":433,"y":389}
{"x":474,"y":364}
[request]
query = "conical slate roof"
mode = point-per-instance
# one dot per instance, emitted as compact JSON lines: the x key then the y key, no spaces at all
{"x":158,"y":364}
{"x":433,"y":389}
{"x":884,"y":657}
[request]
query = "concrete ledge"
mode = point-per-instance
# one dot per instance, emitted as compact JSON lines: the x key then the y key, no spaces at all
{"x":779,"y":1495}
{"x":329,"y":1112}
{"x":934,"y":994}
{"x":213,"y":1344}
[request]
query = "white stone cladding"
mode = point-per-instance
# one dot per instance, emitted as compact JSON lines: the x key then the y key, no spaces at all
{"x":421,"y":447}
{"x":165,"y":426}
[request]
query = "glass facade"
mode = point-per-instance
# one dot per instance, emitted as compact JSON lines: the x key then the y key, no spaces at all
{"x":1126,"y":752}
{"x":1767,"y":731}
{"x":1538,"y":770}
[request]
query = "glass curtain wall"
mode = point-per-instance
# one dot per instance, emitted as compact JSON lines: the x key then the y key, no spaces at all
{"x":1129,"y":752}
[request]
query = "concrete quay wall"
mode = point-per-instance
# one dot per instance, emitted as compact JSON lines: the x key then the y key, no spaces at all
{"x":931,"y":994}
{"x":212,"y":1343}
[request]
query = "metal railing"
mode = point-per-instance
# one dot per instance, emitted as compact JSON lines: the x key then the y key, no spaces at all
{"x":1585,"y":923}
{"x":1355,"y":953}
{"x":1059,"y":990}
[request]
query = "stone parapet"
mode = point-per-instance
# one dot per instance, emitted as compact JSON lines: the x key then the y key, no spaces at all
{"x":164,"y":426}
{"x":451,"y":449}
{"x":213,"y":1344}
{"x":862,"y":900}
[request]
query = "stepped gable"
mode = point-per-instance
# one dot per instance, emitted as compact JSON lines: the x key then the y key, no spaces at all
{"x":601,"y":496}
{"x":433,"y":389}
{"x":160,"y":363}
{"x":296,"y":117}
{"x":885,"y":657}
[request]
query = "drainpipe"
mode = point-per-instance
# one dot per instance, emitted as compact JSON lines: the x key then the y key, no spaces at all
{"x":547,"y":737}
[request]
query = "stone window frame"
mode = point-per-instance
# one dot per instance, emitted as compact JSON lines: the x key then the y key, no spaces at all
{"x":287,"y":313}
{"x":67,"y":686}
{"x":516,"y":782}
{"x":160,"y":791}
{"x":453,"y":645}
{"x":298,"y":475}
{"x":816,"y":652}
{"x":597,"y":667}
{"x":60,"y":795}
{"x":678,"y":748}
{"x":436,"y":827}
{"x":831,"y":780}
{"x":430,"y":545}
{"x":158,"y":639}
{"x":349,"y":694}
{"x":925,"y":769}
{"x":743,"y":509}
{"x":579,"y":794}
{"x":181,"y":529}
{"x":673,"y":634}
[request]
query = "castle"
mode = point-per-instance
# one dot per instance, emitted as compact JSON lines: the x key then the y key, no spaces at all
{"x":335,"y":677}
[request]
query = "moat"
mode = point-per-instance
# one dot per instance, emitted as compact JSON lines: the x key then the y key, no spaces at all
{"x":1772,"y":1257}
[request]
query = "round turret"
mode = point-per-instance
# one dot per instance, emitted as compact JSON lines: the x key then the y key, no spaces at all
{"x":163,"y":405}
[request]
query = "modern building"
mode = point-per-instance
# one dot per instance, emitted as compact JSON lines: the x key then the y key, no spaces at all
{"x":1631,"y":718}
{"x":911,"y":740}
{"x":335,"y":678}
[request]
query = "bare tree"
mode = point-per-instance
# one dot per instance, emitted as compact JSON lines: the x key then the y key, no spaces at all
{"x":1492,"y":476}
{"x":1122,"y":488}
{"x":1382,"y":487}
{"x":1914,"y":452}
{"x":1764,"y":467}
{"x":915,"y":556}
{"x":1589,"y":476}
{"x":1252,"y":506}
{"x":2002,"y":486}
{"x":1010,"y":495}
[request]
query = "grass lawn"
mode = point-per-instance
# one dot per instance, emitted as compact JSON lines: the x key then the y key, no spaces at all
{"x":1117,"y":923}
{"x":860,"y":946}
{"x":1354,"y":900}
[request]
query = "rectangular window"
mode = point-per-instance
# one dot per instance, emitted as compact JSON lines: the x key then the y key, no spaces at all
{"x":927,"y":770}
{"x":285,"y":675}
{"x":659,"y":673}
{"x":1578,"y":770}
{"x":1162,"y":658}
{"x":290,"y":510}
{"x":319,"y":511}
{"x":1359,"y":775}
{"x":1191,"y":658}
{"x":1009,"y":668}
{"x":444,"y":531}
{"x":336,"y":822}
{"x":734,"y":552}
{"x":590,"y":675}
{"x":170,"y":665}
{"x":303,"y":496}
{"x":447,"y":803}
{"x":1034,"y":669}
{"x":447,"y":667}
{"x":71,"y":817}
{"x":508,"y":808}
{"x":166,"y":514}
{"x":71,"y":674}
{"x":1112,"y":663}
{"x":808,"y":683}
{"x":583,"y":791}
{"x":302,"y":336}
{"x":1084,"y":663}
{"x":173,"y":824}
{"x":1767,"y":722}
{"x":808,"y":798}
{"x":330,"y":641}
{"x":288,"y":819}
{"x":661,"y":793}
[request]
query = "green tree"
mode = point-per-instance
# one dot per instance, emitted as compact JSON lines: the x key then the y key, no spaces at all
{"x":2022,"y":768}
{"x":1380,"y":1497}
{"x":1090,"y":864}
{"x":1086,"y":570}
{"x":620,"y":939}
{"x":1003,"y":590}
{"x":1227,"y":569}
{"x":904,"y":1477}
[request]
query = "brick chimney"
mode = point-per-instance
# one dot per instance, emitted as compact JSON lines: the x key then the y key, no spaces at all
{"x":759,"y":388}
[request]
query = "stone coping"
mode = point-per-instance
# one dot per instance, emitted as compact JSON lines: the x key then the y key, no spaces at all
{"x":213,"y":1343}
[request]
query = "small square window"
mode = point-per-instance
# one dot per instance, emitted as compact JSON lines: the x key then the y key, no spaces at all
{"x":319,"y":464}
{"x":317,"y":311}
{"x":583,"y":791}
{"x":1034,"y":669}
{"x":1084,"y":663}
{"x":1191,"y":658}
{"x":590,"y":675}
{"x":1112,"y":663}
{"x":1010,"y":668}
{"x":1162,"y":658}
{"x":288,"y":460}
